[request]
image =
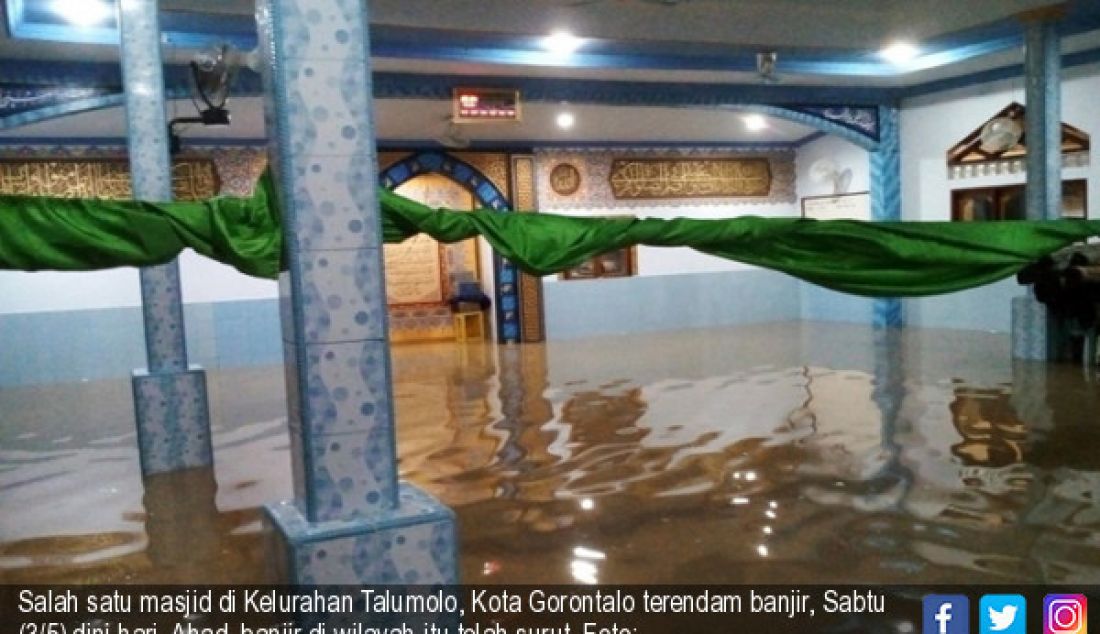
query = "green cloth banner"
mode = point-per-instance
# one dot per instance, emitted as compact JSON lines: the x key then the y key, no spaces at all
{"x":878,"y":259}
{"x":78,"y":234}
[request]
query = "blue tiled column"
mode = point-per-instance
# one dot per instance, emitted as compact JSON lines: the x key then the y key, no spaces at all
{"x":885,"y":186}
{"x":351,"y":520}
{"x":170,"y":402}
{"x":1029,"y":328}
{"x":1043,"y":121}
{"x":1035,"y":332}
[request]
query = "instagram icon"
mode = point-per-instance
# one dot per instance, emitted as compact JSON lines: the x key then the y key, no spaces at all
{"x":1065,"y":614}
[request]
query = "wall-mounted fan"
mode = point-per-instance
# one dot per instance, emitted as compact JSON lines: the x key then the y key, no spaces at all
{"x":212,"y":74}
{"x":825,"y":170}
{"x":1000,"y":134}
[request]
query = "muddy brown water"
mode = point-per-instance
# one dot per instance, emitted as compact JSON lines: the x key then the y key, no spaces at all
{"x":783,"y":453}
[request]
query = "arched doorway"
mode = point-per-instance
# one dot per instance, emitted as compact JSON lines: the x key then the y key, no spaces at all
{"x":487,"y":195}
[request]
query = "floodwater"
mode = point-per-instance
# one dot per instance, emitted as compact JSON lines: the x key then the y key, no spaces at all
{"x":784,"y":453}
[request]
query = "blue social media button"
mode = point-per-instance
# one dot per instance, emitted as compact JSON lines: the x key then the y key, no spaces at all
{"x":1002,"y":614}
{"x":946,"y":614}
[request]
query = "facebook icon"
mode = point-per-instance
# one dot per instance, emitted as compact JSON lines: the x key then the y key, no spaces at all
{"x":946,"y":614}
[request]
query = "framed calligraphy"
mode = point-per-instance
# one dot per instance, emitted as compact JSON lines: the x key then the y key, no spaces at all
{"x":192,"y":179}
{"x":856,"y":206}
{"x":664,"y":178}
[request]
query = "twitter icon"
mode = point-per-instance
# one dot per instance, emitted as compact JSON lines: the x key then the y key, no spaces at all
{"x":1003,"y":614}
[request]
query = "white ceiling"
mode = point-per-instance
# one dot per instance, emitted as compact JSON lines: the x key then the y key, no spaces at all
{"x":861,"y":26}
{"x":845,"y":24}
{"x":1071,"y":44}
{"x":855,"y":26}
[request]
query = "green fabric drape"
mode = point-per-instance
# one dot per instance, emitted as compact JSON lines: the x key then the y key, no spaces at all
{"x":886,"y":259}
{"x":876,"y":259}
{"x":71,"y":234}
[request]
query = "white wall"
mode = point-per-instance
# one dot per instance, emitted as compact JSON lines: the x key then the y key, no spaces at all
{"x":48,"y":291}
{"x":203,"y":280}
{"x":206,"y":280}
{"x":933,"y":123}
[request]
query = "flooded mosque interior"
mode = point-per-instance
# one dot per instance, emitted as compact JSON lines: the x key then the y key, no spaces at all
{"x":649,"y":412}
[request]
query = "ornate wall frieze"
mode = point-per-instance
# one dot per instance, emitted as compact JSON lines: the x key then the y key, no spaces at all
{"x":664,"y":177}
{"x":192,"y":179}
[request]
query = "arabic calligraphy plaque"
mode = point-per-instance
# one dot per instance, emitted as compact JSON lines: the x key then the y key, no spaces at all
{"x":663,"y":178}
{"x":565,"y":179}
{"x":192,"y":179}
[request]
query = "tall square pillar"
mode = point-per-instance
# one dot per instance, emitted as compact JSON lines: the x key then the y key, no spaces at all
{"x":1043,"y":116}
{"x":885,"y":186}
{"x":170,"y":402}
{"x":1037,"y":333}
{"x":350,"y":520}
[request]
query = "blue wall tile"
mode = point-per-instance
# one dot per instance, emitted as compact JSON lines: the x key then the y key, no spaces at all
{"x":668,"y":302}
{"x":108,"y":343}
{"x":986,"y":308}
{"x":247,"y":332}
{"x":822,"y":304}
{"x":70,"y":346}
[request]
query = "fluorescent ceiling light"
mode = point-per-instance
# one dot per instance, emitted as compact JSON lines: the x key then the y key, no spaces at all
{"x":82,"y":12}
{"x":754,"y":123}
{"x":565,"y":120}
{"x":562,"y":43}
{"x":899,"y":53}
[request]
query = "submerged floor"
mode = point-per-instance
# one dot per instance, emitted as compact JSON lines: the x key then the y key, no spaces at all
{"x":782,"y":453}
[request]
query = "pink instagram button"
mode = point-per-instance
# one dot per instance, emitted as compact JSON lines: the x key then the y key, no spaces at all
{"x":1065,"y":614}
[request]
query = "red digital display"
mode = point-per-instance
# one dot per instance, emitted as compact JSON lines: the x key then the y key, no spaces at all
{"x":486,"y":104}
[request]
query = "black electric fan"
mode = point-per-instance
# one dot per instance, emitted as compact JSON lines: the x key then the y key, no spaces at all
{"x":212,"y":73}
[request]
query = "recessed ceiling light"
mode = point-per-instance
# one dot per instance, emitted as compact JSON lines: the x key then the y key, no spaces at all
{"x":82,"y":12}
{"x":899,"y":53}
{"x":562,"y":43}
{"x":565,"y":120}
{"x":755,"y":123}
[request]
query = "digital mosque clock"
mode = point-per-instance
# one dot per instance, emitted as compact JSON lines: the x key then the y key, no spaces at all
{"x":478,"y":105}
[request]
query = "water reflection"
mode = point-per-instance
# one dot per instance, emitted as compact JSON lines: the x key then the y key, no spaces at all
{"x":992,"y":435}
{"x":787,"y":453}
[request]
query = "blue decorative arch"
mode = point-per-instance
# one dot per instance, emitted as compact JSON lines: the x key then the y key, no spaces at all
{"x":857,"y":124}
{"x":875,"y":129}
{"x":489,"y":196}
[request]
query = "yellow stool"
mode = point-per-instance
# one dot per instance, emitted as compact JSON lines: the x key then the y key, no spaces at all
{"x":463,"y":321}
